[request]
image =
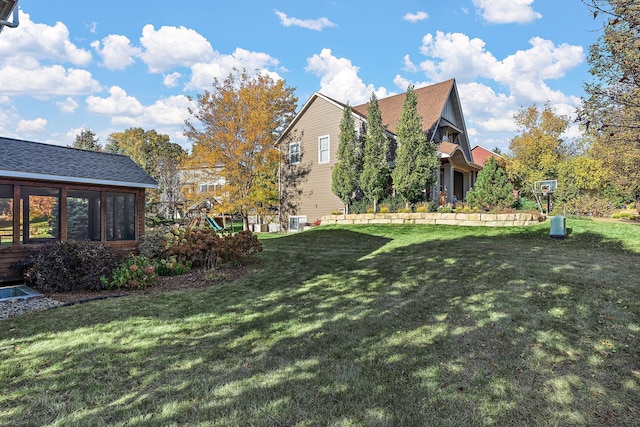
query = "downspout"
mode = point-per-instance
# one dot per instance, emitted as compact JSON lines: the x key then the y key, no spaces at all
{"x":16,"y":20}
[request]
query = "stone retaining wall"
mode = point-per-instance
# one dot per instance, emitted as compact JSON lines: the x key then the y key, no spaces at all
{"x":435,"y":218}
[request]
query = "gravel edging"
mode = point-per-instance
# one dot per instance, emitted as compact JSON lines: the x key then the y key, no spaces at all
{"x":15,"y":308}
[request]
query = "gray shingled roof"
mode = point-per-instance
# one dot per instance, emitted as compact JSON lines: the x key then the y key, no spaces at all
{"x":25,"y":159}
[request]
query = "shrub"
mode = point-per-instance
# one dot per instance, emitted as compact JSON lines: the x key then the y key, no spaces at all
{"x":134,"y":272}
{"x":384,"y":209}
{"x":235,"y":249}
{"x":71,"y":265}
{"x":586,"y":205}
{"x":172,"y":267}
{"x":154,"y":243}
{"x":624,"y":215}
{"x":445,"y":209}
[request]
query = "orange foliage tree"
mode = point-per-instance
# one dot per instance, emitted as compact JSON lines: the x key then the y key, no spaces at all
{"x":234,"y":130}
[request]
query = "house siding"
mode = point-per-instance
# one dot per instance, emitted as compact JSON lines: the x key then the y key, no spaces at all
{"x":321,"y":119}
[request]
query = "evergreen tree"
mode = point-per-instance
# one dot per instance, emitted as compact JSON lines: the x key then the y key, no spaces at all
{"x":346,"y":173}
{"x":87,"y":140}
{"x":492,"y":188}
{"x":375,"y":171}
{"x":417,"y":158}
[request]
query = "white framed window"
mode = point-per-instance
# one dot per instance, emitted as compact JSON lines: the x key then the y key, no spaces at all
{"x":294,"y":153}
{"x":323,"y":149}
{"x":297,"y":222}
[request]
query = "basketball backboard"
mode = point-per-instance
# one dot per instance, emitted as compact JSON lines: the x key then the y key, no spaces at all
{"x":545,"y":186}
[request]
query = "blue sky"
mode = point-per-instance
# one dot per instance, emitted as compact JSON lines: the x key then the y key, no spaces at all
{"x":108,"y":66}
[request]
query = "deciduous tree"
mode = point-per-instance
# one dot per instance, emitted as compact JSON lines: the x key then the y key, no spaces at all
{"x":234,"y":128}
{"x":539,"y":150}
{"x":160,"y":158}
{"x":417,"y":159}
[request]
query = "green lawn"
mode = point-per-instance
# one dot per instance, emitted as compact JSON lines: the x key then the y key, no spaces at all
{"x":354,"y":326}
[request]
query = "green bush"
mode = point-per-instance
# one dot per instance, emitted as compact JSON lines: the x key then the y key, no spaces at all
{"x":172,"y":267}
{"x":69,"y":266}
{"x":134,"y":272}
{"x":624,"y":215}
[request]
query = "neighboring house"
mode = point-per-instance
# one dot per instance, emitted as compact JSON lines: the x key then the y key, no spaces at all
{"x":481,"y":155}
{"x":313,"y":137}
{"x":51,"y":193}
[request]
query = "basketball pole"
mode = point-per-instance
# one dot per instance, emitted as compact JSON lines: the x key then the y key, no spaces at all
{"x":548,"y":204}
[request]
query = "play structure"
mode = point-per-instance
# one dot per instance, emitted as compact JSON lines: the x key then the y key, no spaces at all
{"x":204,"y":220}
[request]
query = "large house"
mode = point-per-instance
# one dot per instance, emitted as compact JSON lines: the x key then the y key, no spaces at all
{"x":313,"y":138}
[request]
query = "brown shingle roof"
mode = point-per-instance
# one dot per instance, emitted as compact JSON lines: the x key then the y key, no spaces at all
{"x":446,"y":147}
{"x":431,"y":101}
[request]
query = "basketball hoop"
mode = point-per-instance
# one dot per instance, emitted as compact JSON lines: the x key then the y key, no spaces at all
{"x":544,"y":189}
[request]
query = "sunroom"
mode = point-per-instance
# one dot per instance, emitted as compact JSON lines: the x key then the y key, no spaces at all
{"x":52,"y":193}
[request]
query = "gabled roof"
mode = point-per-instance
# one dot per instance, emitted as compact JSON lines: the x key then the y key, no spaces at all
{"x":431,"y":102}
{"x":46,"y":162}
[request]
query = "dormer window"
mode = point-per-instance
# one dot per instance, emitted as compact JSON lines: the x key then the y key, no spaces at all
{"x":449,"y":135}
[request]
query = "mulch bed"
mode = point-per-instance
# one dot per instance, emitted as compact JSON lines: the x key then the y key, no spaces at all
{"x":194,"y":279}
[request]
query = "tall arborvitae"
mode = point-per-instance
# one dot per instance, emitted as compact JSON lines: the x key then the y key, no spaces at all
{"x":375,"y":176}
{"x":346,"y":173}
{"x":417,"y":159}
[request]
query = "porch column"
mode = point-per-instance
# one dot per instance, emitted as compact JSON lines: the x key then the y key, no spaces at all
{"x":466,"y":184}
{"x":448,"y":181}
{"x":435,"y":189}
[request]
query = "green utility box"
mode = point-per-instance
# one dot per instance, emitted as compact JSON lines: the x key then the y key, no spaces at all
{"x":558,"y":227}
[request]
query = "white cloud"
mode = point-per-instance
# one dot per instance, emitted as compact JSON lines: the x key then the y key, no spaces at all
{"x":69,"y":105}
{"x":41,"y":42}
{"x":416,"y":17}
{"x":310,"y":24}
{"x":117,"y":52}
{"x":171,"y":80}
{"x":171,"y":47}
{"x":202,"y":74}
{"x":31,"y":127}
{"x":506,"y":11}
{"x":339,"y":79}
{"x":126,"y":110}
{"x":118,"y":103}
{"x":44,"y":81}
{"x":524,"y":72}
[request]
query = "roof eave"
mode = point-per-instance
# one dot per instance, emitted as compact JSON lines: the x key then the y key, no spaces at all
{"x":75,"y":180}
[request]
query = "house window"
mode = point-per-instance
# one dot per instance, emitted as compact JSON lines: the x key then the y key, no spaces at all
{"x":296,"y":223}
{"x":121,"y":215}
{"x":449,"y":136}
{"x":83,"y":215}
{"x":323,"y":149}
{"x":294,"y":153}
{"x":41,"y":214}
{"x":6,"y":215}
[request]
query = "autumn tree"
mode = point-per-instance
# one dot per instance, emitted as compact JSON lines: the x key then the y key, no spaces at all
{"x":234,"y":128}
{"x":87,"y":140}
{"x":417,"y":159}
{"x":539,"y":150}
{"x":492,"y":188}
{"x":376,"y":173}
{"x":611,"y":110}
{"x":345,"y":176}
{"x":160,"y":158}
